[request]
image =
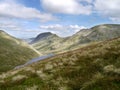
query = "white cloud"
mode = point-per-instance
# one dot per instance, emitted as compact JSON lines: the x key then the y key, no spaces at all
{"x":74,"y":7}
{"x":10,"y":25}
{"x":108,"y":8}
{"x":61,"y":30}
{"x":87,"y":1}
{"x":12,"y":9}
{"x":52,"y":27}
{"x":61,"y":27}
{"x":18,"y":29}
{"x":76,"y":28}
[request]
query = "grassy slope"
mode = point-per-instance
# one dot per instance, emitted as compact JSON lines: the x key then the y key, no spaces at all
{"x":48,"y":45}
{"x":94,"y":67}
{"x":13,"y":52}
{"x":83,"y":37}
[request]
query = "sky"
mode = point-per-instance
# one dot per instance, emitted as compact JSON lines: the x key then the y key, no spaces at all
{"x":28,"y":18}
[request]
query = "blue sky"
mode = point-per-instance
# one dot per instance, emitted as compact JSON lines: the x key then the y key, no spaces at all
{"x":27,"y":18}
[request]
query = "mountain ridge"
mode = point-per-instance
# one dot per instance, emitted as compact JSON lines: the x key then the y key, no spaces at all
{"x":81,"y":38}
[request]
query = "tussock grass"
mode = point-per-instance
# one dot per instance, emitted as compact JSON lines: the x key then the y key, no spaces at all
{"x":94,"y":67}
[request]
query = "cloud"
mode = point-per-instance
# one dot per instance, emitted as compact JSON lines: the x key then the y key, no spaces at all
{"x":18,"y":29}
{"x":61,"y":30}
{"x":76,"y":28}
{"x":10,"y":25}
{"x":108,"y":8}
{"x":61,"y":27}
{"x":12,"y":9}
{"x":74,"y":7}
{"x":52,"y":27}
{"x":85,"y":1}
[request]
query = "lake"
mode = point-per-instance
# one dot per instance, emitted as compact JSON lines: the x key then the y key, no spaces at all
{"x":35,"y":60}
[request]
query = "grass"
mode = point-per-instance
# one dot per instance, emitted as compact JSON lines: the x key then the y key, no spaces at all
{"x":13,"y":52}
{"x":94,"y":67}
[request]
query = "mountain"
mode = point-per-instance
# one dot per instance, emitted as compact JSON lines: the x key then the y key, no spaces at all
{"x":47,"y":42}
{"x":14,"y":52}
{"x":51,"y":43}
{"x":42,"y":36}
{"x":93,"y":67}
{"x":94,"y":34}
{"x":103,"y":32}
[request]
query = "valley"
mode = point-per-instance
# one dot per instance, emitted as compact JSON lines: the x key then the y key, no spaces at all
{"x":92,"y":67}
{"x":59,"y":44}
{"x":88,"y":60}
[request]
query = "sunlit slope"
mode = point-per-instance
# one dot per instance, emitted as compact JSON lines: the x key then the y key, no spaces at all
{"x":47,"y":43}
{"x":51,"y":43}
{"x":14,"y":52}
{"x":94,"y":67}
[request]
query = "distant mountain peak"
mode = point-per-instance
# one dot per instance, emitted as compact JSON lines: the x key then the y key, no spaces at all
{"x":43,"y":36}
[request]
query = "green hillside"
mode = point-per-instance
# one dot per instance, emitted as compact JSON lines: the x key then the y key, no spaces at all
{"x":14,"y":52}
{"x":94,"y":67}
{"x":55,"y":44}
{"x":47,"y":43}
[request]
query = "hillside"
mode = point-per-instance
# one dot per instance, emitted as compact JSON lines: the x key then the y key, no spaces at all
{"x":14,"y":52}
{"x":43,"y":36}
{"x":47,"y":43}
{"x":55,"y":44}
{"x":94,"y":67}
